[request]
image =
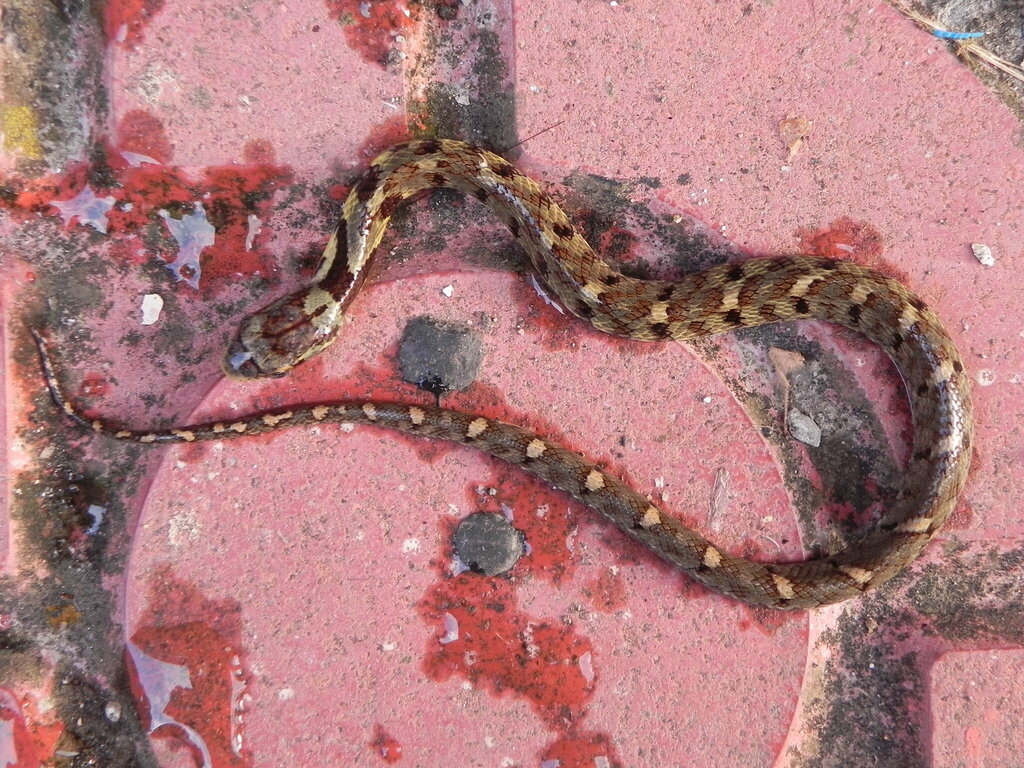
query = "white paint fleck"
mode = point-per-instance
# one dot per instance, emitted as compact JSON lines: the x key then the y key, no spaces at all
{"x":586,"y":664}
{"x":388,"y":646}
{"x":90,"y":210}
{"x":451,"y":630}
{"x":8,"y":750}
{"x":135,"y":159}
{"x":255,"y":227}
{"x":285,"y":694}
{"x":193,"y":233}
{"x":159,"y":680}
{"x":986,"y":377}
{"x":98,"y":513}
{"x":152,"y":306}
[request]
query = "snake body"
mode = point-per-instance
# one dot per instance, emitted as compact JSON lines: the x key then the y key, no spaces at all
{"x":726,"y":297}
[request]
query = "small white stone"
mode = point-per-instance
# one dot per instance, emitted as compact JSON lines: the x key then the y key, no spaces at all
{"x":803,"y":428}
{"x":983,"y":254}
{"x":448,"y":291}
{"x":152,"y":306}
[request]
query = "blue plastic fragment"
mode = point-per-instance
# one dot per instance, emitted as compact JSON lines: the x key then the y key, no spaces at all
{"x":956,"y":35}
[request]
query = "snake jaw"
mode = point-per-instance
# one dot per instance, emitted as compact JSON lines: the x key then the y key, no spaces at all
{"x":274,"y":340}
{"x":239,"y":363}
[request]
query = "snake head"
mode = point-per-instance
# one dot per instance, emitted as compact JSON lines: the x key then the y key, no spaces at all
{"x":271,"y":342}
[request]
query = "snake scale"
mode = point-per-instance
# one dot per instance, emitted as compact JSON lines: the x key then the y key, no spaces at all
{"x":726,"y":297}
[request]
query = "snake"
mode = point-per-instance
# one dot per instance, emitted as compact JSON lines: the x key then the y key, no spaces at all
{"x":733,"y":295}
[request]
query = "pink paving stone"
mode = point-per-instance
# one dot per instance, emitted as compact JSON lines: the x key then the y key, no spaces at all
{"x":296,"y":578}
{"x":978,"y":707}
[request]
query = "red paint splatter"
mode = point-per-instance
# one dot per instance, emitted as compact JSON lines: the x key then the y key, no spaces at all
{"x":34,"y":736}
{"x":583,"y":749}
{"x":385,"y":745}
{"x":184,"y":628}
{"x":232,"y":194}
{"x":844,"y":238}
{"x":607,"y":592}
{"x":504,"y":650}
{"x":229,"y":194}
{"x":546,"y":518}
{"x":126,"y":19}
{"x":371,"y":26}
{"x":384,"y":135}
{"x":142,"y":133}
{"x":93,"y":385}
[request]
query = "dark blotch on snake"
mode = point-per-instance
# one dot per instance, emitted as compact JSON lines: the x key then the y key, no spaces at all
{"x":733,"y":317}
{"x":427,"y":147}
{"x":801,"y":306}
{"x":563,"y":230}
{"x":503,"y":169}
{"x":368,"y":184}
{"x":388,"y":206}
